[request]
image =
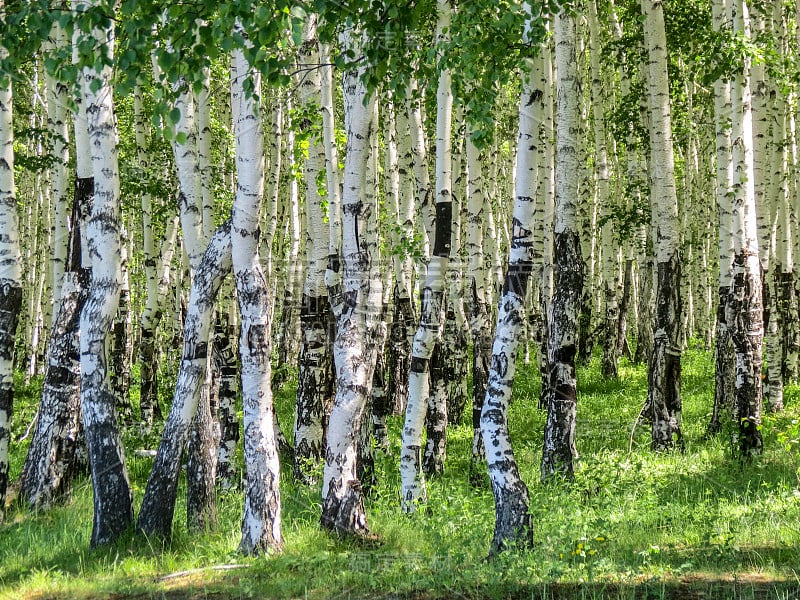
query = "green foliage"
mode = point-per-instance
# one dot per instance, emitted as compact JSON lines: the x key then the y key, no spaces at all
{"x":631,"y":524}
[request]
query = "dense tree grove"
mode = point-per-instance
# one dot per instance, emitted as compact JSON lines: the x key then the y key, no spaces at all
{"x":370,"y":191}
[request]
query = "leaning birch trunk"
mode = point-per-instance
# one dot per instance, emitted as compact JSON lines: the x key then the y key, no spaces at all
{"x":724,"y":359}
{"x":512,"y":520}
{"x":10,"y":275}
{"x":51,"y":462}
{"x":744,"y":310}
{"x":342,"y":499}
{"x":113,"y":508}
{"x":432,"y":297}
{"x":664,"y":369}
{"x":261,"y":523}
{"x":559,"y":434}
{"x":314,"y":378}
{"x":158,"y":505}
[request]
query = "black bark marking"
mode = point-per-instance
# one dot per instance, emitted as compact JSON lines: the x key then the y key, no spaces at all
{"x":444,"y":226}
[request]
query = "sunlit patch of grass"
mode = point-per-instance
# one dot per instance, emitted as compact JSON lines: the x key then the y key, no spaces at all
{"x":631,"y":524}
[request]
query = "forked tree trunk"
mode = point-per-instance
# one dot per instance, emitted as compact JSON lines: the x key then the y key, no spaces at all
{"x":158,"y":505}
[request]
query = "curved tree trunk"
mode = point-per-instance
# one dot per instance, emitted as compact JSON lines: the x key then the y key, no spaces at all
{"x":113,"y":507}
{"x":512,"y":520}
{"x":158,"y":505}
{"x":52,"y":461}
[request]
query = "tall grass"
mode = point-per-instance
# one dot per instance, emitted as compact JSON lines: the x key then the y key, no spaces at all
{"x":632,"y":524}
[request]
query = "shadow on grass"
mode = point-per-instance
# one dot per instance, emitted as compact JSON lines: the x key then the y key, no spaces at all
{"x":693,"y":588}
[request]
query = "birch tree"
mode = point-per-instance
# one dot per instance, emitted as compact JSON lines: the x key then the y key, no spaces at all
{"x":314,"y":379}
{"x":559,"y":434}
{"x":744,"y":311}
{"x":10,"y":270}
{"x":342,"y":499}
{"x":432,"y":295}
{"x":664,"y":369}
{"x":113,"y":509}
{"x":511,"y":499}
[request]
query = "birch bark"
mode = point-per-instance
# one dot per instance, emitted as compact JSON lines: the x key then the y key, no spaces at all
{"x":342,"y":500}
{"x":664,"y":369}
{"x":559,"y":434}
{"x":113,"y":509}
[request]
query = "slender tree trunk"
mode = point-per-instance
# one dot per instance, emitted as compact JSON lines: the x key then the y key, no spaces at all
{"x":744,"y":311}
{"x":315,"y":364}
{"x":664,"y":369}
{"x":480,"y":327}
{"x":403,"y":318}
{"x":432,"y":300}
{"x":559,"y":434}
{"x":148,"y":397}
{"x":724,"y":360}
{"x":113,"y":508}
{"x":10,"y":276}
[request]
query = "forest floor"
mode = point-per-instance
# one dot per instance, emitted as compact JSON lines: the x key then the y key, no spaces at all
{"x":632,"y":524}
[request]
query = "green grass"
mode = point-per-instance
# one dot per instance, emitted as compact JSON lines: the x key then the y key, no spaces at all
{"x":632,"y":524}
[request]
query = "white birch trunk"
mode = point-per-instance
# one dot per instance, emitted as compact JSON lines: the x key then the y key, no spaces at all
{"x":432,"y":295}
{"x":611,"y":257}
{"x":559,"y":434}
{"x":10,"y":275}
{"x":113,"y":509}
{"x":663,"y":398}
{"x":512,"y":521}
{"x":314,"y":379}
{"x":744,"y":309}
{"x":342,"y":499}
{"x":724,"y":360}
{"x":261,"y":522}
